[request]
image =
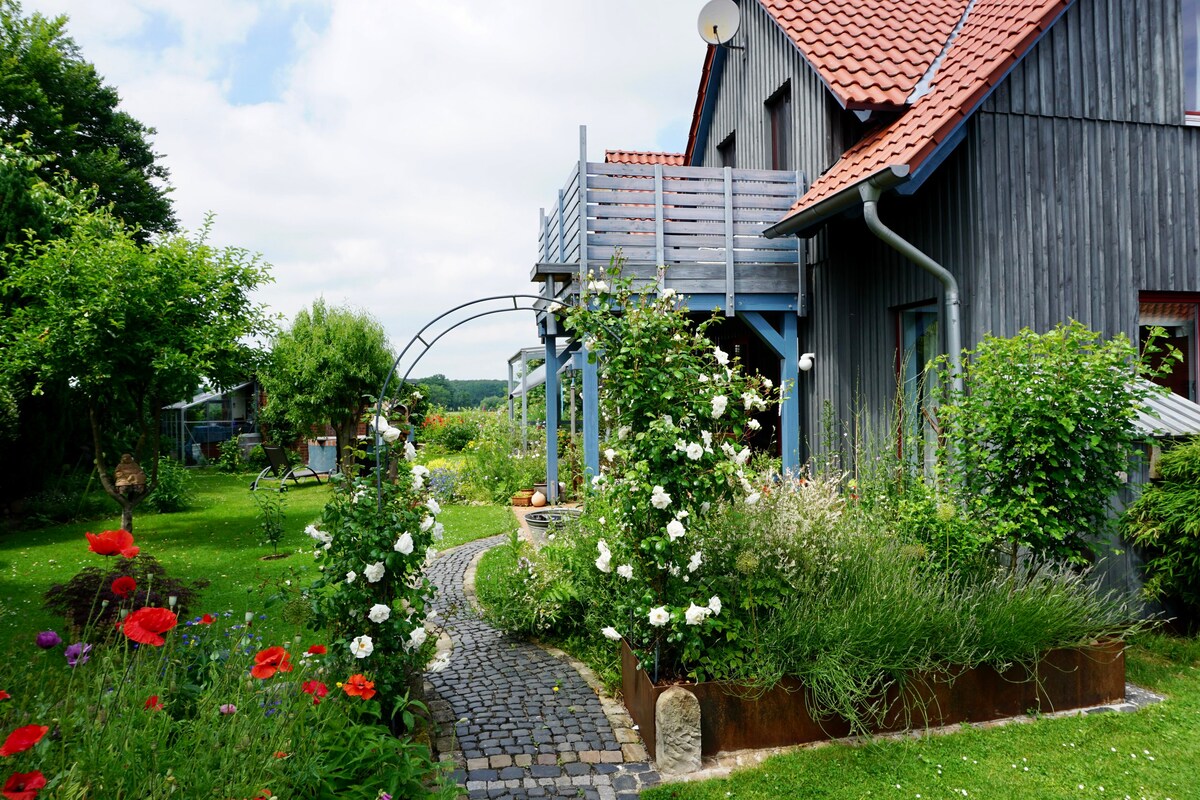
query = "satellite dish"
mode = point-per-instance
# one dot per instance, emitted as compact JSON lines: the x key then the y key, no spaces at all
{"x":719,"y":21}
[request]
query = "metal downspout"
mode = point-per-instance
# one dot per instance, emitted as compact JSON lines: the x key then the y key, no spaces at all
{"x":870,"y":197}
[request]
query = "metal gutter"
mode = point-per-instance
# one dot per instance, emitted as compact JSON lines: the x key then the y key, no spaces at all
{"x":887,"y":178}
{"x":870,"y":200}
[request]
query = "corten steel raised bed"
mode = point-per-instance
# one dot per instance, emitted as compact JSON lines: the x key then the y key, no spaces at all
{"x":1063,"y":680}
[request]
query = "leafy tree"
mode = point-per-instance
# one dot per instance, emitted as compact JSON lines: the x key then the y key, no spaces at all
{"x":122,"y":328}
{"x":326,"y":369}
{"x":52,"y":97}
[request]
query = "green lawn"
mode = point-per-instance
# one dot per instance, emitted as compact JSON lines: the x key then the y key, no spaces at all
{"x":216,"y":539}
{"x":1153,"y":754}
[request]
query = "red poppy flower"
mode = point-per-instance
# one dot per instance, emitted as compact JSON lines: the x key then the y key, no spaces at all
{"x":267,"y":662}
{"x":110,"y":543}
{"x":153,"y":703}
{"x":5,"y":695}
{"x":207,"y":619}
{"x":359,"y":686}
{"x":22,"y":739}
{"x":280,"y":754}
{"x":316,"y":689}
{"x":317,"y":650}
{"x":23,"y":785}
{"x":146,"y":625}
{"x":124,"y":586}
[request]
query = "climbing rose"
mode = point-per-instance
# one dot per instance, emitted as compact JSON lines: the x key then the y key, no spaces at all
{"x":350,"y":576}
{"x":110,"y":543}
{"x":718,"y":405}
{"x":24,"y":785}
{"x":696,"y":614}
{"x":391,"y":435}
{"x":359,"y":686}
{"x":432,"y":505}
{"x":379,"y":613}
{"x":124,"y":586}
{"x":659,"y":498}
{"x":22,"y":739}
{"x":404,"y":545}
{"x":268,"y":662}
{"x":675,"y":529}
{"x":604,"y":562}
{"x":611,"y":633}
{"x":753,"y":424}
{"x":374,"y":572}
{"x":714,"y":604}
{"x":417,"y":637}
{"x":694,"y":562}
{"x":625,"y":571}
{"x":695,"y":451}
{"x":362,"y":646}
{"x":721,"y":356}
{"x":410,"y":452}
{"x":659,"y":616}
{"x":146,"y":625}
{"x":752,"y":498}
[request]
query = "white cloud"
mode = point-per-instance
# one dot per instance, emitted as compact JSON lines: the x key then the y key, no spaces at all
{"x":402,"y":163}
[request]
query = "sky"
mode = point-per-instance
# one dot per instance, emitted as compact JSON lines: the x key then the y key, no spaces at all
{"x":391,"y":155}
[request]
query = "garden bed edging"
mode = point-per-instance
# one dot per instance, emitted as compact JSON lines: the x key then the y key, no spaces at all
{"x":1061,"y":680}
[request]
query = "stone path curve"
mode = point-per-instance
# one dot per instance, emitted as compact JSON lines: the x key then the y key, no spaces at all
{"x":526,"y":725}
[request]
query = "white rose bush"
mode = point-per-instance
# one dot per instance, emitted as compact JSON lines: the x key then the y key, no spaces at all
{"x":371,"y":547}
{"x":679,"y":407}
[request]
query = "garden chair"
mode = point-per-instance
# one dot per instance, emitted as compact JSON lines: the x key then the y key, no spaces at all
{"x":279,"y":469}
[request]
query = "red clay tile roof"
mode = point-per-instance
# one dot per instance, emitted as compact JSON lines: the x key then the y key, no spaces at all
{"x":636,"y":157}
{"x":997,"y":33}
{"x":870,"y":53}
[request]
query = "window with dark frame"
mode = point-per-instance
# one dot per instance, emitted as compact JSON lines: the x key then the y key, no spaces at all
{"x":917,"y":345}
{"x":1178,"y":315}
{"x":727,"y":151}
{"x":779,"y":128}
{"x":1190,"y":23}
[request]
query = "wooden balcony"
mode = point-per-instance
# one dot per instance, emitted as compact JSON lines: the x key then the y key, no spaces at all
{"x":703,"y":224}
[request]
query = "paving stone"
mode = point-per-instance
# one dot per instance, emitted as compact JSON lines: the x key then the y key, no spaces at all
{"x":499,"y":762}
{"x":523,"y":760}
{"x":590,"y":756}
{"x":545,"y":770}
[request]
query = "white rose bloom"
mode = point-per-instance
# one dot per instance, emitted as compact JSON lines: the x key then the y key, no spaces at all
{"x":696,"y":614}
{"x":752,"y":498}
{"x":439,"y":531}
{"x":379,"y":424}
{"x":623,"y":432}
{"x":404,"y":545}
{"x":420,"y":469}
{"x":597,"y":481}
{"x":659,"y":616}
{"x":410,"y":452}
{"x":374,"y":572}
{"x":668,"y":294}
{"x":675,"y":529}
{"x":312,"y":531}
{"x":625,"y":571}
{"x":417,"y":395}
{"x":694,"y":561}
{"x":362,"y":646}
{"x":721,"y":356}
{"x":604,"y":562}
{"x":681,"y":445}
{"x":379,"y":613}
{"x":433,"y":506}
{"x":610,"y":454}
{"x":417,"y":637}
{"x":611,"y":633}
{"x":714,"y":604}
{"x":742,"y":457}
{"x":668,"y":421}
{"x":430,"y":555}
{"x":427,"y":523}
{"x":703,"y":379}
{"x":706,"y":437}
{"x":350,"y":576}
{"x":695,"y":451}
{"x":659,"y":498}
{"x":753,"y":424}
{"x":418,"y":483}
{"x":718,"y":405}
{"x":390,"y":435}
{"x":767,"y":383}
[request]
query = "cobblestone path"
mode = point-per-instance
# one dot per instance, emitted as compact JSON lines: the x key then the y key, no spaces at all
{"x":525,"y":723}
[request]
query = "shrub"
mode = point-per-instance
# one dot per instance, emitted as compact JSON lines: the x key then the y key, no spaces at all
{"x":1166,"y":521}
{"x":496,"y":468}
{"x":452,"y":431}
{"x":524,"y":595}
{"x":1039,"y":439}
{"x":89,"y":597}
{"x":73,"y":496}
{"x":270,"y":517}
{"x":175,"y":490}
{"x":257,"y":459}
{"x":230,"y":458}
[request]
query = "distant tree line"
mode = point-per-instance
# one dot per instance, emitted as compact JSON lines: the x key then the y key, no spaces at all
{"x":462,"y":395}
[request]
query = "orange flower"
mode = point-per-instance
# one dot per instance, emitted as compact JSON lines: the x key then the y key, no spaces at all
{"x":146,"y":625}
{"x":359,"y":686}
{"x":153,"y":703}
{"x":124,"y":586}
{"x":268,"y":662}
{"x":22,"y":739}
{"x":110,"y":543}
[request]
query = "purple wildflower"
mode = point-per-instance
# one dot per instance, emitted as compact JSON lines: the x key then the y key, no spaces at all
{"x":48,"y":639}
{"x":228,"y":708}
{"x":77,"y":654}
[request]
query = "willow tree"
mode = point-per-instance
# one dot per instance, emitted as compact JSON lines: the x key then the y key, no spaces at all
{"x":324,"y":370}
{"x":128,"y":327}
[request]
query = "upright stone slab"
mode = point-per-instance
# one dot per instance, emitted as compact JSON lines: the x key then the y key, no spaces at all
{"x":677,"y":731}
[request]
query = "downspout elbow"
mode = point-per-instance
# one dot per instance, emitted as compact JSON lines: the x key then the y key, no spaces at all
{"x":870,"y":193}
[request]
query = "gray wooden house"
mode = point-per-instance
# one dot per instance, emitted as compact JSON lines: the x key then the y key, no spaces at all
{"x":962,"y":167}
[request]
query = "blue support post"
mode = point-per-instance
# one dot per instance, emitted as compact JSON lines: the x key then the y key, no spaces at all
{"x":551,"y":420}
{"x":789,"y":409}
{"x":591,"y":419}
